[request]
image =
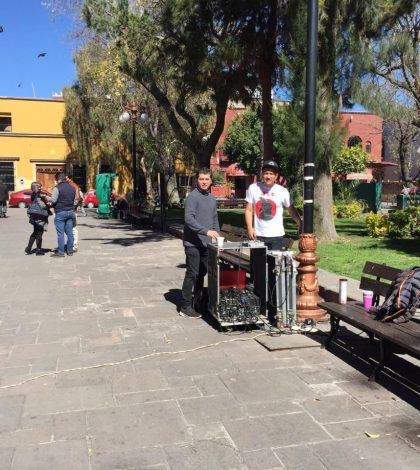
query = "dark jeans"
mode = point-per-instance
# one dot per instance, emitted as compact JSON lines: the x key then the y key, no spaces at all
{"x":196,"y":260}
{"x":36,"y":236}
{"x":272,"y":243}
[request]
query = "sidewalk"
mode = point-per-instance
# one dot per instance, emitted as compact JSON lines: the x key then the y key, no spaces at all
{"x":150,"y":389}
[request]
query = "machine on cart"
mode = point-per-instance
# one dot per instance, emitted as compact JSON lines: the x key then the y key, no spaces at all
{"x":281,"y":295}
{"x":237,"y":283}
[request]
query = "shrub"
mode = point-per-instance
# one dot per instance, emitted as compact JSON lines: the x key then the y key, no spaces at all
{"x":404,"y":223}
{"x":351,"y":210}
{"x":350,"y":160}
{"x":377,"y":225}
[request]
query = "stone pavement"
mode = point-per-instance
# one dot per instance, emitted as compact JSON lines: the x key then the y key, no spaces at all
{"x":120,"y":381}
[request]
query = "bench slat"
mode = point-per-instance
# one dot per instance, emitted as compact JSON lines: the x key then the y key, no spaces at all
{"x":381,"y":270}
{"x":378,"y":287}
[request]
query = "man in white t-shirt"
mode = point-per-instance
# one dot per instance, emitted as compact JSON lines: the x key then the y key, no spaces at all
{"x":264,"y":209}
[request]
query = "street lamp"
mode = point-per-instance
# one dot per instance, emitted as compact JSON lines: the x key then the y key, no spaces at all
{"x":134,"y":114}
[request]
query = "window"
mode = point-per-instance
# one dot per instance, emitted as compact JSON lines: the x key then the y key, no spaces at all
{"x":5,"y":122}
{"x":368,"y":147}
{"x":354,"y":141}
{"x":7,"y":174}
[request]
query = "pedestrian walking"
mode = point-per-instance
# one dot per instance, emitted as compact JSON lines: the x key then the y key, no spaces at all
{"x":38,"y":213}
{"x":64,"y":200}
{"x":201,"y":226}
{"x":264,"y":209}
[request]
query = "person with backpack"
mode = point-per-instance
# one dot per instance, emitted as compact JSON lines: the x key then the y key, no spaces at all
{"x":38,"y":213}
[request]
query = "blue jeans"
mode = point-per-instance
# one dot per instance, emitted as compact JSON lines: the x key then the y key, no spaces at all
{"x":64,"y":224}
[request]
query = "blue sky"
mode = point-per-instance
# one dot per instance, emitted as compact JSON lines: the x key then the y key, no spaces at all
{"x":29,"y":29}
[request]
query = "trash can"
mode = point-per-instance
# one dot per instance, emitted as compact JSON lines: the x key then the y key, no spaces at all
{"x":402,"y":201}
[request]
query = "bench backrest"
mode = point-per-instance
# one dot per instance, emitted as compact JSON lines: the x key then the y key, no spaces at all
{"x":382,"y":277}
{"x":233,"y":233}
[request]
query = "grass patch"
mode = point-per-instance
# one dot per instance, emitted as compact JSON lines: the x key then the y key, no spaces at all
{"x":347,"y":256}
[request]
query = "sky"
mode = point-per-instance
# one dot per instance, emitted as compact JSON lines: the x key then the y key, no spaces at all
{"x":28,"y":30}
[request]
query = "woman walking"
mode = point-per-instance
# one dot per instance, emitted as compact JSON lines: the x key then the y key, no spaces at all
{"x":38,"y":213}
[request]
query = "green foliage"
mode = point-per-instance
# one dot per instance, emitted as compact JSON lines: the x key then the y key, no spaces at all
{"x":350,"y":160}
{"x":377,"y":225}
{"x":403,"y":223}
{"x":243,"y":142}
{"x":351,"y":210}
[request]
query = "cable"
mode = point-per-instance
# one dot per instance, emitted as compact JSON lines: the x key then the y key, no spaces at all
{"x":110,"y":364}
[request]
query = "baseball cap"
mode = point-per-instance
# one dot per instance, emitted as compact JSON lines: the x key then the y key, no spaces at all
{"x":270,"y":165}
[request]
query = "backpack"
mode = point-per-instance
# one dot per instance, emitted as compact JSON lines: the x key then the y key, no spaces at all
{"x":35,"y":210}
{"x":402,"y":299}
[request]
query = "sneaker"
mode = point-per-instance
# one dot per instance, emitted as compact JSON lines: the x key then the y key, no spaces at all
{"x":70,"y":253}
{"x":57,"y":255}
{"x":28,"y":251}
{"x":189,"y":312}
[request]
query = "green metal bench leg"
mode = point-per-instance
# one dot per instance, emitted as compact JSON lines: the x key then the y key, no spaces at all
{"x":335,"y":324}
{"x":384,"y":354}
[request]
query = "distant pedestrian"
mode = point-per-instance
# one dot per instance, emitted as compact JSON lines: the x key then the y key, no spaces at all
{"x":64,"y":199}
{"x":81,"y":206}
{"x":4,"y":197}
{"x":201,"y":226}
{"x":76,"y":205}
{"x":38,"y":213}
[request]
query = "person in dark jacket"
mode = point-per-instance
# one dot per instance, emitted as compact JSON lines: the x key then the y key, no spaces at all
{"x":64,"y":200}
{"x":38,"y":221}
{"x":201,"y":226}
{"x":4,"y":197}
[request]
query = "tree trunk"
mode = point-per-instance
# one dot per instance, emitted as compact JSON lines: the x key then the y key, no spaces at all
{"x":323,"y":208}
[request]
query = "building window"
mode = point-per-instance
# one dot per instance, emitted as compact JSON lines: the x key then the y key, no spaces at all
{"x":354,"y":141}
{"x":7,"y":174}
{"x":368,"y":147}
{"x":184,"y":181}
{"x":5,"y":122}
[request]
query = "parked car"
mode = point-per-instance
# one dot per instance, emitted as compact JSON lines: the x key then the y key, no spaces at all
{"x":22,"y":198}
{"x":90,"y":200}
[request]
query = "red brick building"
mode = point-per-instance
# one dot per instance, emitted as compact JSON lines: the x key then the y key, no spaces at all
{"x":362,"y":128}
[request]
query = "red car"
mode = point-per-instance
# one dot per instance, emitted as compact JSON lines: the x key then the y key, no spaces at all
{"x":22,"y":198}
{"x":90,"y":200}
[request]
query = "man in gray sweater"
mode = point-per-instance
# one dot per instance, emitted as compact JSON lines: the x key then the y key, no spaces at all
{"x":201,"y":226}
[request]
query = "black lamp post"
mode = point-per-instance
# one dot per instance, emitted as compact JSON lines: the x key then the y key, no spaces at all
{"x":134,"y":114}
{"x":307,"y":282}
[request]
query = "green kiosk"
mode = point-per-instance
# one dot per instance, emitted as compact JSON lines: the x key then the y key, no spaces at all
{"x":103,"y":185}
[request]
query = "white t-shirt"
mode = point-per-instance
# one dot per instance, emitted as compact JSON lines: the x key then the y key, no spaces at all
{"x":268,"y":204}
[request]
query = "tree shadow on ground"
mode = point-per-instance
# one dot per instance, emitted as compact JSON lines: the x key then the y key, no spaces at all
{"x":400,"y":376}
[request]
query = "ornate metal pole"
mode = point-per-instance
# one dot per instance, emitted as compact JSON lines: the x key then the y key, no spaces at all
{"x":307,"y":281}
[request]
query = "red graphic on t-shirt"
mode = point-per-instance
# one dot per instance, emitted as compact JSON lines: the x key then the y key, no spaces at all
{"x":265,"y":209}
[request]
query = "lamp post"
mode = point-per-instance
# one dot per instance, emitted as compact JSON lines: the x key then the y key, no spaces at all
{"x":134,"y":114}
{"x":307,"y":281}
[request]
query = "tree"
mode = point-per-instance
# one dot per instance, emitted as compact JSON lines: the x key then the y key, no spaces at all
{"x":192,"y":47}
{"x":350,"y":160}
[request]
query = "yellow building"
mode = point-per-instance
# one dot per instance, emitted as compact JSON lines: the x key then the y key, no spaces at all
{"x":32,"y":144}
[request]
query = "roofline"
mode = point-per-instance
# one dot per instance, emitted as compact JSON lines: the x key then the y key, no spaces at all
{"x":54,"y":100}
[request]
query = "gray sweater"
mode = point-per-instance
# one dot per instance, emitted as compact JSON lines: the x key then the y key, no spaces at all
{"x":200,"y":217}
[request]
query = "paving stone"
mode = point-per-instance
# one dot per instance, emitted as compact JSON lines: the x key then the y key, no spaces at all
{"x":208,"y":431}
{"x":327,"y":390}
{"x":129,"y":459}
{"x":270,"y":431}
{"x":206,"y":455}
{"x":71,"y":455}
{"x":300,"y":458}
{"x":147,"y":380}
{"x":382,"y":426}
{"x":210,"y":409}
{"x":6,"y":456}
{"x":366,"y":392}
{"x":387,"y":453}
{"x":263,"y":459}
{"x":70,"y":426}
{"x":272,"y":408}
{"x":142,"y":425}
{"x":334,"y":409}
{"x":210,"y":385}
{"x":254,"y":386}
{"x":53,"y":331}
{"x":157,"y":395}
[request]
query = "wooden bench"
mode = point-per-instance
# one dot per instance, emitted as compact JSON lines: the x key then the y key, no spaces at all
{"x":140,"y":214}
{"x":229,"y":204}
{"x":392,"y":337}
